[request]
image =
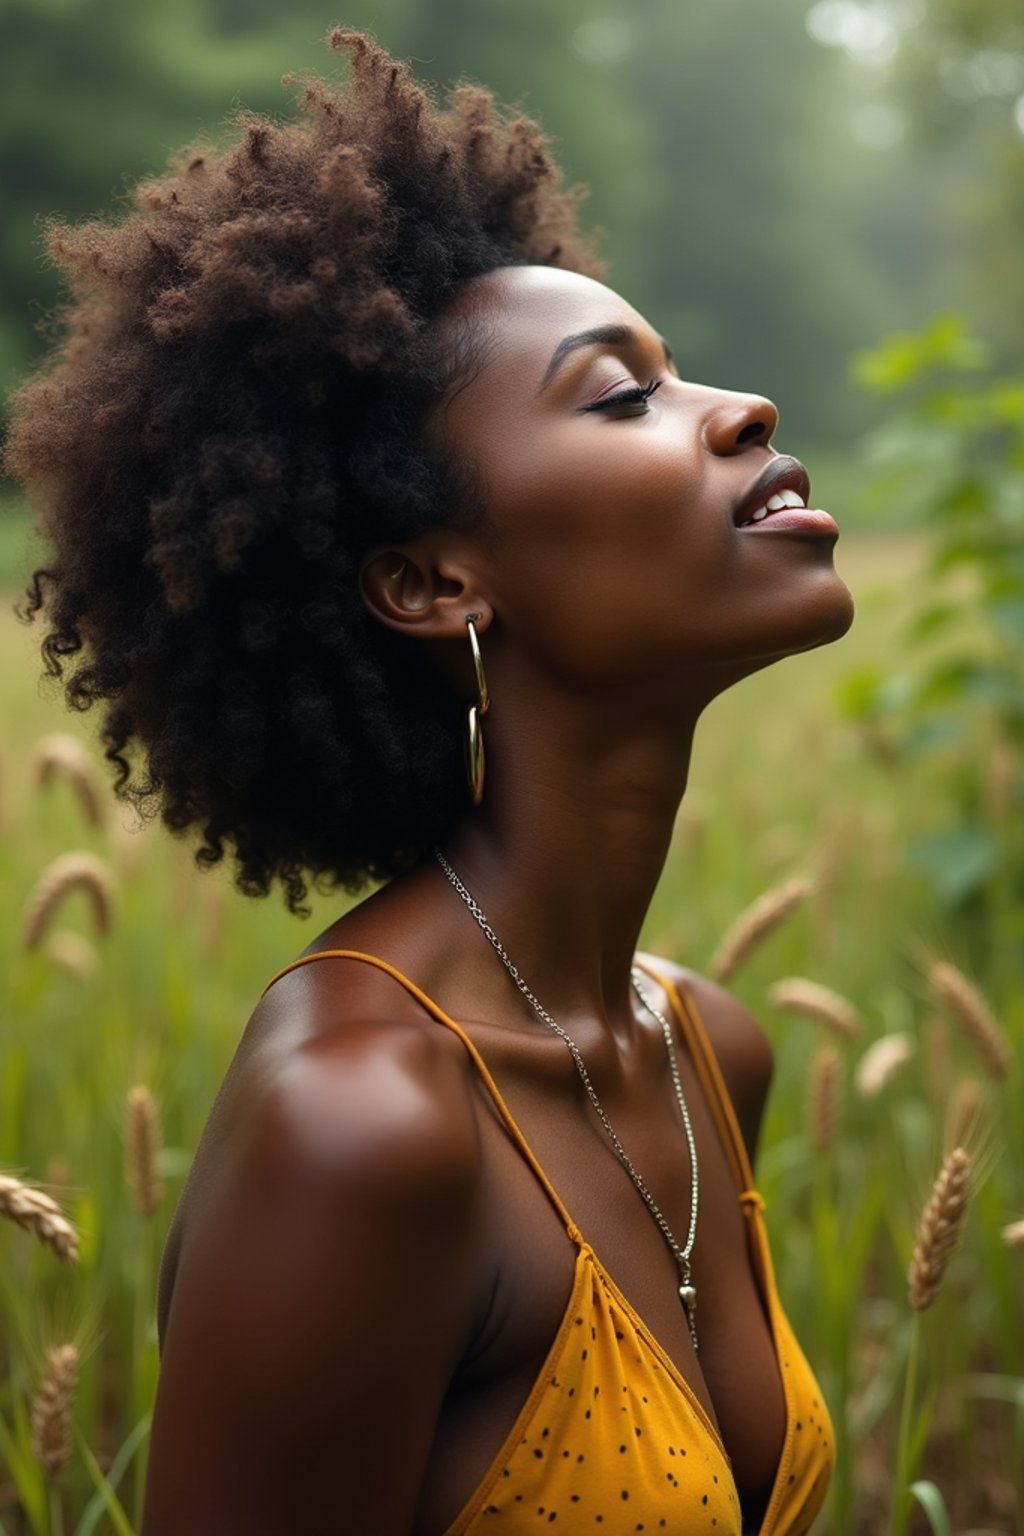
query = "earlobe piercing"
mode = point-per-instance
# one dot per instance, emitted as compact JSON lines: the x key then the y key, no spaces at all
{"x":474,"y":738}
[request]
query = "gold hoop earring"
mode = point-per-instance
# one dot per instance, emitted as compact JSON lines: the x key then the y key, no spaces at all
{"x":475,"y":737}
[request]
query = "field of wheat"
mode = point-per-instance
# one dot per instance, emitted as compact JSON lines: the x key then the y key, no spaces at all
{"x":892,"y":1158}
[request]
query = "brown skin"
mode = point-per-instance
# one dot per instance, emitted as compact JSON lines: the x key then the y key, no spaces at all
{"x":364,"y":1277}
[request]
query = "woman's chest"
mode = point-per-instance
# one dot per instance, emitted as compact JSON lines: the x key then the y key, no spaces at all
{"x":730,"y":1390}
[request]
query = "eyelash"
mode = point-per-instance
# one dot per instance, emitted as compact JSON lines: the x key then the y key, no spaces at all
{"x":637,"y":396}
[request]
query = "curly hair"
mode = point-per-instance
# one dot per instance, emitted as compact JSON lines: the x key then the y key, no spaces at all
{"x":231,"y":420}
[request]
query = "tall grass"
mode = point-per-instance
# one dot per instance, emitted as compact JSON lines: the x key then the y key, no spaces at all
{"x":112,"y":1046}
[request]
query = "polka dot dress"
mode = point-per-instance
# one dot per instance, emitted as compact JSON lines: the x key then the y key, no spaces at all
{"x":611,"y":1437}
{"x":610,"y":1440}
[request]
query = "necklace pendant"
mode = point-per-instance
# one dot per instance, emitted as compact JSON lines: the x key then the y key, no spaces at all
{"x":688,"y":1297}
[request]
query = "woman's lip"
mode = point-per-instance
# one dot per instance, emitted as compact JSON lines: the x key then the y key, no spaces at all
{"x":782,"y":472}
{"x":813,"y":522}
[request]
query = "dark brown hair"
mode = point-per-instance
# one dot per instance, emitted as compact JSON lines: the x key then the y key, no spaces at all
{"x":231,"y":421}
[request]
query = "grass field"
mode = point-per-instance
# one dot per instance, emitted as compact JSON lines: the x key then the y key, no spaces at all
{"x":782,"y":785}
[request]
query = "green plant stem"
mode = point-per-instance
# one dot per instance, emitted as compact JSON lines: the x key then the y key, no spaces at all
{"x":833,"y":1314}
{"x":140,"y":1334}
{"x":56,"y":1512}
{"x":901,"y":1496}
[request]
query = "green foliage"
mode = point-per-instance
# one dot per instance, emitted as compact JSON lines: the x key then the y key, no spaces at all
{"x":950,"y":709}
{"x":746,"y":219}
{"x":934,"y":1506}
{"x":105,"y":1498}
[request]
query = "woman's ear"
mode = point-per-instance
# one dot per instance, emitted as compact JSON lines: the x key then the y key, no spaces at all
{"x":425,"y":587}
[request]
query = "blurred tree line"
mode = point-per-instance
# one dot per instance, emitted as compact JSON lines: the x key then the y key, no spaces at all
{"x":779,"y":182}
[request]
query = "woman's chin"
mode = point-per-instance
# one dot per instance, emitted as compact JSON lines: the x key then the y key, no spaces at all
{"x":822,"y":616}
{"x":840,"y":612}
{"x":814,"y":624}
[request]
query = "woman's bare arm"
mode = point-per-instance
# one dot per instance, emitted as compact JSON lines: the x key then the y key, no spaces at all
{"x":326,"y":1288}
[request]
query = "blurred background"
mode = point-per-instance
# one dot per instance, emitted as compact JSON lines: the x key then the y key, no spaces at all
{"x":780,"y":183}
{"x":820,"y":201}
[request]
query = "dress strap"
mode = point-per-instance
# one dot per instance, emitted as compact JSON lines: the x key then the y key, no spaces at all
{"x":439,"y":1014}
{"x":713,"y":1083}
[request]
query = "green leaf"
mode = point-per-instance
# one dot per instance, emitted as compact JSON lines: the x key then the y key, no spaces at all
{"x":958,"y":861}
{"x":114,"y":1508}
{"x":934,"y":1506}
{"x":933,"y":619}
{"x":25,"y":1471}
{"x":1007,"y":402}
{"x":907,"y":357}
{"x":98,"y":1503}
{"x":1006,"y":1389}
{"x":935,"y":731}
{"x":968,"y":500}
{"x":857,"y":694}
{"x":966,"y":679}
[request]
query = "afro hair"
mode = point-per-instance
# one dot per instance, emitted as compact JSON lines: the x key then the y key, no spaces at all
{"x":231,"y":419}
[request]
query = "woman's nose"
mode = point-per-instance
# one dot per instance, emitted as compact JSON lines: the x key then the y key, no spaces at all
{"x":738,"y":421}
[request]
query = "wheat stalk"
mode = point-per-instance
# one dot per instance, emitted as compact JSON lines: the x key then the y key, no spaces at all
{"x":142,"y":1144}
{"x":66,"y":873}
{"x":973,"y":1014}
{"x":882,"y":1060}
{"x":939,"y":1229}
{"x":817,"y":1002}
{"x":61,"y":754}
{"x":37,"y":1213}
{"x":824,"y":1091}
{"x":50,"y":1413}
{"x":754,"y":925}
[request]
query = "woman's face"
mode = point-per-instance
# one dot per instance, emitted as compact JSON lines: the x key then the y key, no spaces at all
{"x":618,"y":543}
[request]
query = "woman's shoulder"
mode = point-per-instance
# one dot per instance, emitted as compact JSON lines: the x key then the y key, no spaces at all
{"x":345,"y":1081}
{"x":742,"y":1049}
{"x":337,"y":1097}
{"x":350,"y":1073}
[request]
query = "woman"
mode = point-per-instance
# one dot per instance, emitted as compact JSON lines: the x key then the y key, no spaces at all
{"x":352,"y":468}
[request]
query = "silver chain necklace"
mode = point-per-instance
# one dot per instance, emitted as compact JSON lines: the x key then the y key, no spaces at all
{"x":687,"y":1290}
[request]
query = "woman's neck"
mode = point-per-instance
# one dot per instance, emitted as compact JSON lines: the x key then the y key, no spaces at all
{"x":567,"y":848}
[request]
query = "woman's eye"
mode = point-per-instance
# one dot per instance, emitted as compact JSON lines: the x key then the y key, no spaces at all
{"x":632,"y":401}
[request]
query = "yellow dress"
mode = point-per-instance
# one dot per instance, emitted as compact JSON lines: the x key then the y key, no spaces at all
{"x":611,"y":1439}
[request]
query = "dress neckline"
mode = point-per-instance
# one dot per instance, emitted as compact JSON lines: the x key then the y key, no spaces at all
{"x":716,"y":1094}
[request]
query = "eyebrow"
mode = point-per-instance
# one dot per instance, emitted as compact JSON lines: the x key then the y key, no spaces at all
{"x":599,"y":335}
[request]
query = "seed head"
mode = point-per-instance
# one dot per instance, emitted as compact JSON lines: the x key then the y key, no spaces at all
{"x":50,"y":1413}
{"x":882,"y":1060}
{"x":142,"y":1144}
{"x":37,"y":1213}
{"x":754,"y":925}
{"x":64,"y":874}
{"x":939,"y":1229}
{"x":823,"y":1097}
{"x":973,"y":1014}
{"x":817,"y":1002}
{"x":63,"y":755}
